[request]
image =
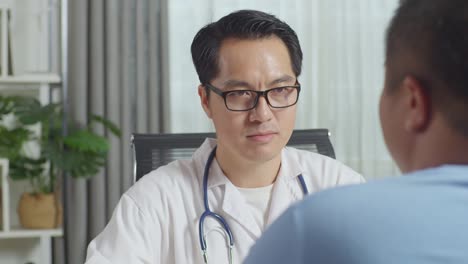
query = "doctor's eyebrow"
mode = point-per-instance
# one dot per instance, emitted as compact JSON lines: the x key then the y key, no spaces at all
{"x":283,"y":79}
{"x":238,"y":83}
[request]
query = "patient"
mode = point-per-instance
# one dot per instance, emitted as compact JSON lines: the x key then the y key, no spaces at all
{"x":421,"y":217}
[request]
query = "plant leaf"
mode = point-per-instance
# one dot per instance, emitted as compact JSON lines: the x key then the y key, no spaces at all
{"x":11,"y":141}
{"x":86,"y":141}
{"x":7,"y":104}
{"x":107,"y":124}
{"x":29,"y":111}
{"x":23,"y":168}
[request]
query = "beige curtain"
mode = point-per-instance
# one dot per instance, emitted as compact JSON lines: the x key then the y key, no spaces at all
{"x":114,"y":51}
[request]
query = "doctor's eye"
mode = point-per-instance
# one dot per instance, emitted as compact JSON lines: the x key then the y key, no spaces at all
{"x":281,"y":90}
{"x":240,"y":93}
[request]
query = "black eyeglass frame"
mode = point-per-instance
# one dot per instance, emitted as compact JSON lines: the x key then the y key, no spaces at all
{"x":223,"y":94}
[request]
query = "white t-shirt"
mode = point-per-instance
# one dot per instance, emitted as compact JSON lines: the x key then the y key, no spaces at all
{"x":258,"y":200}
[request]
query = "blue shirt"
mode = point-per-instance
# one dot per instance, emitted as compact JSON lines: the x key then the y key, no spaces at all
{"x":419,"y":218}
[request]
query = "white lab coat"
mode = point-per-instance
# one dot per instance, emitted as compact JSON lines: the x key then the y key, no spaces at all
{"x":156,"y":221}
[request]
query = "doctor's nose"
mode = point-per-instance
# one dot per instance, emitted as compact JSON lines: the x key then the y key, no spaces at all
{"x":261,"y":112}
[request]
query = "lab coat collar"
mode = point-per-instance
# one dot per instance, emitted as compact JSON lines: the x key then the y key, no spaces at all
{"x":285,"y":191}
{"x":290,"y":167}
{"x":287,"y":188}
{"x":216,"y":176}
{"x":233,"y":204}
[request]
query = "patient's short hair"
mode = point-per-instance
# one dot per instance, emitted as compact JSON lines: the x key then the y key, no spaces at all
{"x":433,"y":34}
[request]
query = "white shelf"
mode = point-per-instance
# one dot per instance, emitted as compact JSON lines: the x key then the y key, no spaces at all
{"x":17,"y":244}
{"x":30,"y":38}
{"x":40,"y":78}
{"x":30,"y":233}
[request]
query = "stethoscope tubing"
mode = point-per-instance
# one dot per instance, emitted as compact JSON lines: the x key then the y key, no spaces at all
{"x":218,"y":217}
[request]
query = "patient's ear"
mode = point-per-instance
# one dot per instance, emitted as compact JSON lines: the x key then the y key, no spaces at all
{"x":418,"y":105}
{"x":204,"y":100}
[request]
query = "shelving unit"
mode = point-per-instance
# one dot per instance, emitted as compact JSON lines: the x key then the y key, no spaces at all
{"x":46,"y":78}
{"x":19,"y":245}
{"x":39,"y":85}
{"x":27,"y":233}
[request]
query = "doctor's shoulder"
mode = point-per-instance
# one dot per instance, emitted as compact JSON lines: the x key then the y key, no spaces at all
{"x":178,"y":178}
{"x":322,"y":171}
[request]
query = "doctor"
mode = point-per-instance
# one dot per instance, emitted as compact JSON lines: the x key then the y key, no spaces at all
{"x":212,"y":208}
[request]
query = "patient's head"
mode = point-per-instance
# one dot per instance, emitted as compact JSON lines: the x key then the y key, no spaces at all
{"x":426,"y":87}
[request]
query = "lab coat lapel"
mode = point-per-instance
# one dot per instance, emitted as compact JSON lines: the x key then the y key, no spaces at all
{"x":235,"y":206}
{"x":281,"y":198}
{"x":287,"y":189}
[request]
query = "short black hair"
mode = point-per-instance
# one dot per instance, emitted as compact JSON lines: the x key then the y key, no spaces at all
{"x":433,"y":34}
{"x":242,"y":24}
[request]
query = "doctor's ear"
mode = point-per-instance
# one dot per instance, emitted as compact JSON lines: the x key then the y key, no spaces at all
{"x":204,"y":99}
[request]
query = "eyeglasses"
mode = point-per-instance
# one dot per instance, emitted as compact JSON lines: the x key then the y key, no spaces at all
{"x":245,"y":100}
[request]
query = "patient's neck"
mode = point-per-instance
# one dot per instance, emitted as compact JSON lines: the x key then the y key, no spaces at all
{"x":440,"y":146}
{"x":247,"y":173}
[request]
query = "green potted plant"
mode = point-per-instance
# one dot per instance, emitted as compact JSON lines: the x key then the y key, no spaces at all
{"x":11,"y":137}
{"x":81,"y":153}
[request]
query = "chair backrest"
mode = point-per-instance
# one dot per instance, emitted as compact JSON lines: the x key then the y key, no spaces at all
{"x":151,"y":151}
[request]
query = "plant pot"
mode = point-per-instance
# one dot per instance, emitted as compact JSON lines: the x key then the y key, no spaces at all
{"x":39,"y":211}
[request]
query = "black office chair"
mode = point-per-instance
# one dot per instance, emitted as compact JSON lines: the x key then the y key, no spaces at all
{"x":151,"y":151}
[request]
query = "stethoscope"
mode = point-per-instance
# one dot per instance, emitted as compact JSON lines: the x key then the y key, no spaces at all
{"x":216,"y":216}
